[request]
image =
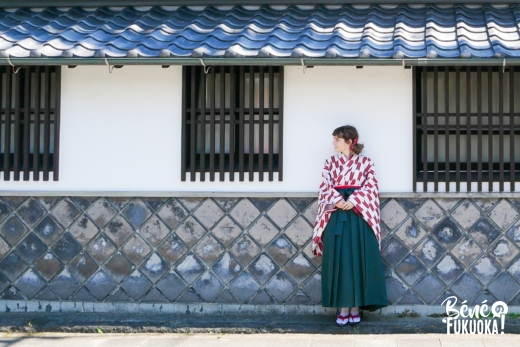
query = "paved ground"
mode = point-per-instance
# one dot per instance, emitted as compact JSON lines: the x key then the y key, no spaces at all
{"x":253,"y":340}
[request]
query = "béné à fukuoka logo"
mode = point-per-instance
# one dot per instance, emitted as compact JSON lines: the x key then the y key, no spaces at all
{"x":480,"y":319}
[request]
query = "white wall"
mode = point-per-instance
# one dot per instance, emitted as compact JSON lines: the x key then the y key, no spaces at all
{"x":121,"y":131}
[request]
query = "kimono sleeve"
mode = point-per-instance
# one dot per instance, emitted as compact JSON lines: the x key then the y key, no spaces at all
{"x":369,"y":191}
{"x":327,"y":194}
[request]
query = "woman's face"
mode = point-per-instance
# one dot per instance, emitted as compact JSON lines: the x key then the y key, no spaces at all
{"x":340,"y":145}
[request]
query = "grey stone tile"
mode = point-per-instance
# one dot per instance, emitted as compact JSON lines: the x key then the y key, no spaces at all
{"x":263,"y":268}
{"x":136,"y":249}
{"x":484,"y":204}
{"x":83,"y":266}
{"x":82,"y":201}
{"x":118,"y":267}
{"x":226,"y":231}
{"x":227,"y":267}
{"x":172,"y":213}
{"x":13,"y":266}
{"x":46,"y":294}
{"x":12,"y":293}
{"x":208,"y":213}
{"x":410,"y":298}
{"x":504,"y":287}
{"x":31,"y":211}
{"x":119,"y":296}
{"x":208,"y":249}
{"x":466,"y":214}
{"x":30,"y":248}
{"x":154,"y":203}
{"x":307,"y":250}
{"x":171,"y":286}
{"x":485,"y":269}
{"x":410,"y":269}
{"x":154,"y":231}
{"x":447,"y":204}
{"x":66,"y":248}
{"x":262,"y":298}
{"x":282,"y":213}
{"x":154,"y":296}
{"x":154,"y":267}
{"x":4,"y":282}
{"x":503,"y":251}
{"x":281,"y":286}
{"x":136,"y":212}
{"x":225,"y":297}
{"x":48,"y":266}
{"x":410,"y":232}
{"x":466,"y":287}
{"x":392,"y":214}
{"x":263,"y":204}
{"x":395,"y":288}
{"x":13,"y":230}
{"x":299,"y":298}
{"x":30,"y":284}
{"x":410,"y":205}
{"x":281,"y":250}
{"x":515,"y":301}
{"x":191,"y":203}
{"x":83,"y":295}
{"x":429,"y":214}
{"x":429,"y":288}
{"x":485,"y":295}
{"x":66,"y":212}
{"x":299,"y":232}
{"x":136,"y":285}
{"x":118,"y":230}
{"x":226,"y":203}
{"x":5,"y":211}
{"x":447,"y":232}
{"x":514,"y":233}
{"x":448,"y":269}
{"x":302,"y":203}
{"x":100,"y":285}
{"x":119,"y":202}
{"x":300,"y":268}
{"x":4,"y":248}
{"x":172,"y":249}
{"x":65,"y":284}
{"x":484,"y":233}
{"x":263,"y":231}
{"x":83,"y":230}
{"x":208,"y":286}
{"x":13,"y":201}
{"x":393,"y":251}
{"x":190,"y":296}
{"x":190,"y":268}
{"x":313,"y":287}
{"x":190,"y":231}
{"x":466,"y":251}
{"x":503,"y":214}
{"x":244,"y":213}
{"x":101,"y":212}
{"x":100,"y":248}
{"x":48,"y":230}
{"x":245,"y":250}
{"x":514,"y":268}
{"x":311,"y":212}
{"x":244,"y":286}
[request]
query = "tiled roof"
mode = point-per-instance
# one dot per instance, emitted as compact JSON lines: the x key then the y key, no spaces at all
{"x":342,"y":31}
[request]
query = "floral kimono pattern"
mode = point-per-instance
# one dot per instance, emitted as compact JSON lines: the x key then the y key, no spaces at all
{"x":339,"y":170}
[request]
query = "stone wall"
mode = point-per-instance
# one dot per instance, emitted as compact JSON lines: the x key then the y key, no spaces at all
{"x":245,"y":250}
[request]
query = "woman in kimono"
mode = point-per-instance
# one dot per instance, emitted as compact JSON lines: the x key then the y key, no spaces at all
{"x":347,"y":232}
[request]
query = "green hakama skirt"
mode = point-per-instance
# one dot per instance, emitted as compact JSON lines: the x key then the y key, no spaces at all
{"x":352,"y":270}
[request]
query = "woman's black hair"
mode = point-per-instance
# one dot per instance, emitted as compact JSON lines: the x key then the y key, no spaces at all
{"x":348,"y":132}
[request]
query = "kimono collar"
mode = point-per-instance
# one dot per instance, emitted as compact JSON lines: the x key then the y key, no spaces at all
{"x":352,"y":156}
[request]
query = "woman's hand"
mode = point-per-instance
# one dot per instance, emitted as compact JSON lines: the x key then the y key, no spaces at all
{"x":345,"y":205}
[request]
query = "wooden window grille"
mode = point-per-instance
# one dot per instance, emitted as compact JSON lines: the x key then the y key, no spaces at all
{"x":232,"y":122}
{"x":466,"y":128}
{"x":30,"y":122}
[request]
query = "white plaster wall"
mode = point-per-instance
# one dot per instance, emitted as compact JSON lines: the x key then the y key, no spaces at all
{"x":121,"y":131}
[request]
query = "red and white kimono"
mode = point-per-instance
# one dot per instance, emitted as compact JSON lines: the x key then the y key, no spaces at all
{"x":339,"y":170}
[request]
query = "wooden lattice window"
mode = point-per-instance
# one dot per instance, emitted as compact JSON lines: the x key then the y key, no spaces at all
{"x":29,"y":122}
{"x":466,"y":128}
{"x":232,"y":122}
